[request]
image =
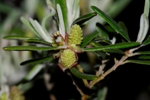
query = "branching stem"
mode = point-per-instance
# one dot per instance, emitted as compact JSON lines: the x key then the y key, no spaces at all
{"x":101,"y":77}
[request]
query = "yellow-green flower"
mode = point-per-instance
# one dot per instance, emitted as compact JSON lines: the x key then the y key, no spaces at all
{"x":68,"y":37}
{"x":67,"y":59}
{"x":75,"y":35}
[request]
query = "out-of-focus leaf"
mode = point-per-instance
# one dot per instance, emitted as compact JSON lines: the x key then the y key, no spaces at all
{"x":37,"y":61}
{"x":9,"y":21}
{"x":121,"y":4}
{"x":29,"y":6}
{"x":146,"y":57}
{"x":81,"y":20}
{"x":102,"y":33}
{"x":44,"y":20}
{"x":24,"y":87}
{"x":146,"y":42}
{"x":146,"y":8}
{"x":81,"y":75}
{"x":102,"y":94}
{"x":124,"y":28}
{"x":143,"y":62}
{"x":28,"y":48}
{"x":33,"y":72}
{"x":38,"y":41}
{"x":144,"y":26}
{"x":111,"y":22}
{"x":88,"y":39}
{"x":16,"y":37}
{"x":143,"y":52}
{"x":109,"y":29}
{"x":115,"y":46}
{"x":5,"y":8}
{"x":100,"y":54}
{"x":40,"y":10}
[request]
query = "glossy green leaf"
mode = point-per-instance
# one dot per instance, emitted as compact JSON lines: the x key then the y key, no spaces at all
{"x":81,"y":75}
{"x":28,"y":48}
{"x":102,"y":33}
{"x":13,"y":37}
{"x":81,"y":20}
{"x":123,"y":27}
{"x":37,"y":61}
{"x":108,"y":50}
{"x":115,"y":46}
{"x":38,"y":41}
{"x":111,"y":22}
{"x":146,"y":57}
{"x":88,"y":39}
{"x":146,"y":42}
{"x":143,"y":62}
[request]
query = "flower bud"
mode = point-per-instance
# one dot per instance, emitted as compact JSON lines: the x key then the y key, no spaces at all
{"x":67,"y":59}
{"x":75,"y":35}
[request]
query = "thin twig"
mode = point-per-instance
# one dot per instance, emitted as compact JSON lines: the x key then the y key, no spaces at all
{"x":117,"y":63}
{"x":83,"y":96}
{"x":101,"y":68}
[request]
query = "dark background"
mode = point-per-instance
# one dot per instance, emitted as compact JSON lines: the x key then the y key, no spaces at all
{"x":128,"y":82}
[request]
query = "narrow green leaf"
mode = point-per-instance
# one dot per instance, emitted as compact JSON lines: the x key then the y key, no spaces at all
{"x":13,"y":37}
{"x":143,"y":62}
{"x":33,"y":72}
{"x":102,"y":93}
{"x":146,"y":42}
{"x":88,"y":39}
{"x":146,"y":57}
{"x":28,"y":48}
{"x":44,"y":20}
{"x":108,"y":50}
{"x":81,"y":20}
{"x":114,"y":51}
{"x":81,"y":75}
{"x":143,"y":52}
{"x":109,"y":29}
{"x":115,"y":46}
{"x":111,"y":22}
{"x":123,"y":27}
{"x":37,"y":61}
{"x":102,"y":33}
{"x":38,"y":41}
{"x":27,"y":23}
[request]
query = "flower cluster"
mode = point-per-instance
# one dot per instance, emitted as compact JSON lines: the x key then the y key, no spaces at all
{"x":67,"y":38}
